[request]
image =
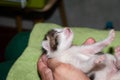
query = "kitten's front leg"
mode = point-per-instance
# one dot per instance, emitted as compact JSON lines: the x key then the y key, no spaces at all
{"x":98,"y":46}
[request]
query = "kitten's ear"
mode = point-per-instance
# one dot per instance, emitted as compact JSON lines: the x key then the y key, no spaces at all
{"x":46,"y":45}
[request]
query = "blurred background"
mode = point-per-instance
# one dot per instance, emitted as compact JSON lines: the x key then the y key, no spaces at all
{"x":87,"y":13}
{"x":90,"y":13}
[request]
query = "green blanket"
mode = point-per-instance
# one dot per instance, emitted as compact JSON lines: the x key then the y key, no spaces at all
{"x":25,"y":68}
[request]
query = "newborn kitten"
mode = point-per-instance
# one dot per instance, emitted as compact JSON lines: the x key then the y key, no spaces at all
{"x":58,"y":44}
{"x":115,"y":72}
{"x":112,"y":69}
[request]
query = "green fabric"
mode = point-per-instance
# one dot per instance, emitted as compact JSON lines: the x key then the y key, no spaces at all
{"x":14,"y":49}
{"x":16,"y":46}
{"x":25,"y":68}
{"x":4,"y":68}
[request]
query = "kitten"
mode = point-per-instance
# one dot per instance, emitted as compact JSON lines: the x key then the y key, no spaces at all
{"x":58,"y":44}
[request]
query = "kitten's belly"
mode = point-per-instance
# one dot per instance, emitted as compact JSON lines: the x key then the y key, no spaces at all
{"x":75,"y":59}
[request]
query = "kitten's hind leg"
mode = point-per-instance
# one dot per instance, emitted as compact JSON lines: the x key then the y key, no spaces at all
{"x":93,"y":62}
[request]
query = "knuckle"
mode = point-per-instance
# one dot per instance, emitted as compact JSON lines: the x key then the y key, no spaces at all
{"x":59,"y":67}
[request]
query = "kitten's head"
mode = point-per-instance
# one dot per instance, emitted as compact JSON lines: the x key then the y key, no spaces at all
{"x":57,"y":40}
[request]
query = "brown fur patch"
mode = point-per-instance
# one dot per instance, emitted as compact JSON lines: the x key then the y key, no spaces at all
{"x":53,"y":39}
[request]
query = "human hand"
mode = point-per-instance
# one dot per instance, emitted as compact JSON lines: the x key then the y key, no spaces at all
{"x":62,"y":71}
{"x":44,"y":71}
{"x":52,"y":69}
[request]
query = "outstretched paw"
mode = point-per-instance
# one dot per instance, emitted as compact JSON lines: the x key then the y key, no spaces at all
{"x":110,"y":38}
{"x":111,"y":35}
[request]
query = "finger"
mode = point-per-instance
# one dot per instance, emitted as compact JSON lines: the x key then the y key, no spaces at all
{"x":89,"y":41}
{"x":48,"y":74}
{"x":53,"y":64}
{"x":41,"y":65}
{"x":44,"y":59}
{"x":44,"y":71}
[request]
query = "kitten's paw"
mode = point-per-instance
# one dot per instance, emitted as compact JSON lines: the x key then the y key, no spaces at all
{"x":117,"y":51}
{"x":100,"y":59}
{"x":117,"y":55}
{"x":111,"y":37}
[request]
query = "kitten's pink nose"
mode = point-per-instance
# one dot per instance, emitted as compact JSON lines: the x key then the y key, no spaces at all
{"x":67,"y":32}
{"x":67,"y":29}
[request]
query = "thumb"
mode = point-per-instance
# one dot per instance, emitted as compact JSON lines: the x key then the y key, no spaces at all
{"x":89,"y":41}
{"x":53,"y":64}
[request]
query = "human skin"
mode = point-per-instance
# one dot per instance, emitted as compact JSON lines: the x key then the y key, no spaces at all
{"x":55,"y":70}
{"x":44,"y":71}
{"x":51,"y":69}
